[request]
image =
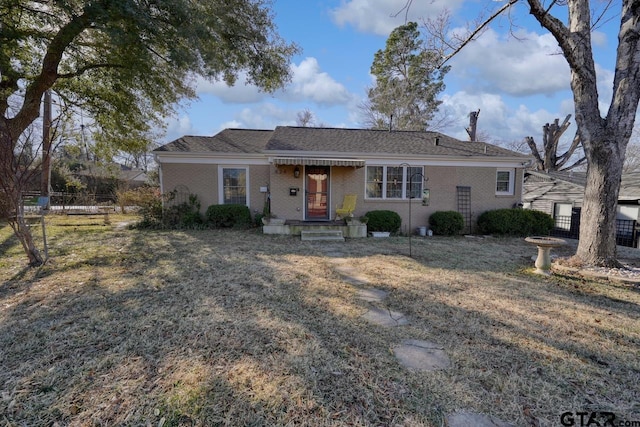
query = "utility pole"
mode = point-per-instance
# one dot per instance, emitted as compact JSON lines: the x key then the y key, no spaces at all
{"x":45,"y":180}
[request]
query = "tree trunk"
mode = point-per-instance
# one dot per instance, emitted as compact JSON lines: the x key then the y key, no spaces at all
{"x":23,"y":233}
{"x":597,"y":244}
{"x":473,"y":125}
{"x":11,"y":185}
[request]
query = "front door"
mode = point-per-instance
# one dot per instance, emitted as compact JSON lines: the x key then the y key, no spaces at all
{"x":317,"y":193}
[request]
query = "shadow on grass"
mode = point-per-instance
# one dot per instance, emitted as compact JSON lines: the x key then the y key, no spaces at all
{"x":227,"y":328}
{"x":8,"y":240}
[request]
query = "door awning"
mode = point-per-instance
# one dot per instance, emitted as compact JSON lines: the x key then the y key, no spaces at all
{"x":311,"y":161}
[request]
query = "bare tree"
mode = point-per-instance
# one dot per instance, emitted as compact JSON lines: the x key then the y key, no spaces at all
{"x":604,"y":138}
{"x":547,"y":159}
{"x":305,"y":118}
{"x":473,"y":125}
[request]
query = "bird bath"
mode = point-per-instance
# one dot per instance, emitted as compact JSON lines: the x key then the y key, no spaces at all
{"x":544,"y":244}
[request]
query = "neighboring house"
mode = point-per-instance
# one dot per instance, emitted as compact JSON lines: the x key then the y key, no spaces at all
{"x":561,"y":194}
{"x":114,"y":174}
{"x":306,"y":172}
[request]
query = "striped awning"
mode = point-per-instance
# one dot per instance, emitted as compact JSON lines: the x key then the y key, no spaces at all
{"x":311,"y":161}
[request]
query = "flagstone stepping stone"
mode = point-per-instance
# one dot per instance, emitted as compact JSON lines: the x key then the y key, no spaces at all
{"x":350,"y":275}
{"x":472,"y":419}
{"x":334,"y":254}
{"x":385,"y":317}
{"x":421,"y":355}
{"x":371,"y":295}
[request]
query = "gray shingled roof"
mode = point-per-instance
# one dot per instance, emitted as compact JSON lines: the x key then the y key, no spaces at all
{"x":629,"y":185}
{"x":227,"y":141}
{"x":335,"y":140}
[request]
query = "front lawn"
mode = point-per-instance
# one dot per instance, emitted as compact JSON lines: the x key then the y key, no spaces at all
{"x":181,"y":328}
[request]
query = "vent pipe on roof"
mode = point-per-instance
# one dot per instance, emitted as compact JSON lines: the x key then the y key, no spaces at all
{"x":436,"y":141}
{"x":485,"y":149}
{"x":390,"y":122}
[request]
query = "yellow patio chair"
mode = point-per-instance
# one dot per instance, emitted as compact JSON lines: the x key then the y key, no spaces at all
{"x":348,"y":206}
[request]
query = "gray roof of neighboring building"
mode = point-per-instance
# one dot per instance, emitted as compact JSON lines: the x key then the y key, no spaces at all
{"x":629,"y":186}
{"x":334,"y":140}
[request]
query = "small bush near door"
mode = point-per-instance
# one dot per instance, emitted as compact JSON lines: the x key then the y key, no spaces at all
{"x":226,"y":216}
{"x":515,"y":222}
{"x":383,"y":220}
{"x":446,"y":223}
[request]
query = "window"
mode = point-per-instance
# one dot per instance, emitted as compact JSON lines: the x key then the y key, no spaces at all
{"x":415,"y":178}
{"x":504,"y":182}
{"x":234,"y":185}
{"x":393,"y":182}
{"x":562,"y":215}
{"x":374,"y":182}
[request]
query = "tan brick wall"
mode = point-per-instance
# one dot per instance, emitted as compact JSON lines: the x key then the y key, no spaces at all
{"x":343,"y":180}
{"x":202,"y":180}
{"x":442,"y":182}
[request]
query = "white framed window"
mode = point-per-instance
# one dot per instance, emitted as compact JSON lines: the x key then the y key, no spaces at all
{"x":393,"y":182}
{"x":505,"y":179}
{"x":562,"y":215}
{"x":233,"y":185}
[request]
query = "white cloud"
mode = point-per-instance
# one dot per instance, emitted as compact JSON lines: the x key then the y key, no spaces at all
{"x":240,"y":93}
{"x":605,"y":88}
{"x":177,"y":127}
{"x":524,"y":64}
{"x":499,"y":122}
{"x":382,"y":16}
{"x":599,"y":38}
{"x":310,"y":83}
{"x":232,"y":124}
{"x":261,"y":116}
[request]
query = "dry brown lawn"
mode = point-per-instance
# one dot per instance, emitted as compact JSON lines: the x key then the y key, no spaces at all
{"x":205,"y":328}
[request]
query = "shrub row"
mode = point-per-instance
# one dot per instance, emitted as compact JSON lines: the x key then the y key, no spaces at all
{"x":515,"y":222}
{"x":226,"y":216}
{"x":446,"y":223}
{"x":512,"y":222}
{"x":186,"y":214}
{"x":383,"y":220}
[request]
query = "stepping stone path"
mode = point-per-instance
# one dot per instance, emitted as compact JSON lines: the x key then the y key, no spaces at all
{"x":385,"y":317}
{"x":422,"y":355}
{"x":412,"y":354}
{"x":471,"y":419}
{"x":371,"y":295}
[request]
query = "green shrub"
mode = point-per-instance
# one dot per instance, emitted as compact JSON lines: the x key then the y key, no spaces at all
{"x":515,"y":222}
{"x":183,"y":215}
{"x":150,"y":201}
{"x":383,"y":220}
{"x":446,"y":223}
{"x":139,"y":197}
{"x":225,"y":216}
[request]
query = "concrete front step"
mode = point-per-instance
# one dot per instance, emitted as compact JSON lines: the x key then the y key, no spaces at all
{"x":333,"y":235}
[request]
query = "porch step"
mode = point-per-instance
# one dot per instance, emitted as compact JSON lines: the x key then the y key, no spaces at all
{"x":334,"y":235}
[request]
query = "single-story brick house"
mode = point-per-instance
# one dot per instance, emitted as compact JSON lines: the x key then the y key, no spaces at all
{"x":306,"y":172}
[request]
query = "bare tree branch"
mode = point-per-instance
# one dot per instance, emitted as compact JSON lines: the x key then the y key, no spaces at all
{"x":473,"y":34}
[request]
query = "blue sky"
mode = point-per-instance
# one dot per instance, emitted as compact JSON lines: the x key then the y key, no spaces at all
{"x":513,"y":73}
